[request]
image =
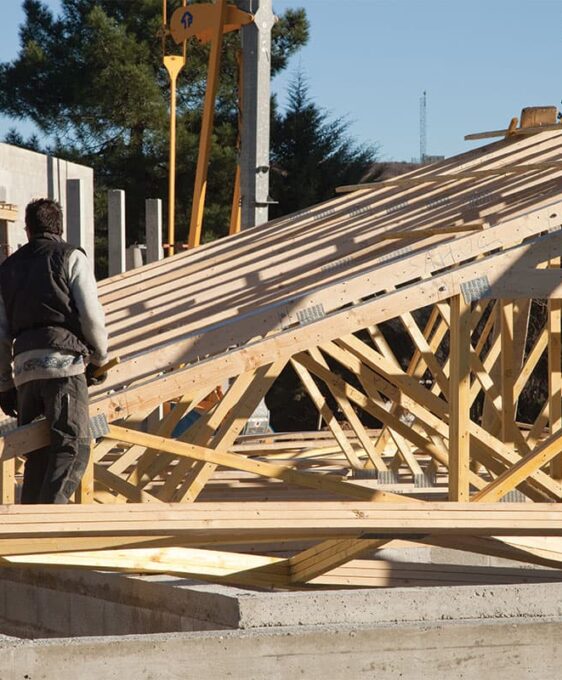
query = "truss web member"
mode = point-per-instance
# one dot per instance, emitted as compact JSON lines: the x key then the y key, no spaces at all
{"x":52,"y":324}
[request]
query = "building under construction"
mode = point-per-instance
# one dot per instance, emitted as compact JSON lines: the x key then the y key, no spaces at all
{"x":425,"y":544}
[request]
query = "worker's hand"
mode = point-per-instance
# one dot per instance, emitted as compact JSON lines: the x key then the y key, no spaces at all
{"x":9,"y":402}
{"x":92,"y":378}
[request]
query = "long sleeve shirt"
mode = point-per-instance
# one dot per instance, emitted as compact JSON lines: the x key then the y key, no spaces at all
{"x":47,"y":363}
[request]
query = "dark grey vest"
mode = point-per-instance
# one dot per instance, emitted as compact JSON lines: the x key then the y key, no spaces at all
{"x":35,"y":289}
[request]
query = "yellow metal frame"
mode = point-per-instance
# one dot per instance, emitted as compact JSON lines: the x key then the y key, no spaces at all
{"x":236,"y":210}
{"x":207,"y":23}
{"x":200,"y":189}
{"x":174,"y":64}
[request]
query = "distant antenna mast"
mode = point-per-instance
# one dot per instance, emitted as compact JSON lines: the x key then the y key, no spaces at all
{"x":423,"y":127}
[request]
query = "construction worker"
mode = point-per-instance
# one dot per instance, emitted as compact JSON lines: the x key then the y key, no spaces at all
{"x":52,"y":329}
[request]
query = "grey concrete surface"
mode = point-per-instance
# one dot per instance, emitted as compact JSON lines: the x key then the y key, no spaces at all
{"x":388,"y":605}
{"x":154,"y":250}
{"x":518,"y":650}
{"x":101,"y":627}
{"x":64,"y":602}
{"x":38,"y":602}
{"x":116,"y":229}
{"x":26,"y":175}
{"x":79,"y":231}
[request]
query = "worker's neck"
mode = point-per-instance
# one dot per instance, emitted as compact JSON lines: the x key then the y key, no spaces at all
{"x":46,"y":234}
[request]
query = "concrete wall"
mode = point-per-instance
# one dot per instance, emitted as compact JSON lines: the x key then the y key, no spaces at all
{"x":25,"y":175}
{"x":461,"y":632}
{"x":474,"y":650}
{"x":36,"y":602}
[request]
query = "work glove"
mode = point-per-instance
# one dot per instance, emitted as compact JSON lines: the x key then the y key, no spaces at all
{"x":9,"y":402}
{"x":91,"y":378}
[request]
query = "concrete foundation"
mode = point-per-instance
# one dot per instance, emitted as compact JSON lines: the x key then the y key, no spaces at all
{"x":131,"y":627}
{"x":518,"y":650}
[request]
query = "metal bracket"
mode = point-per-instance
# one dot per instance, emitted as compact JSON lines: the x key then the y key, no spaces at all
{"x":99,"y":427}
{"x":311,"y":314}
{"x":475,"y":289}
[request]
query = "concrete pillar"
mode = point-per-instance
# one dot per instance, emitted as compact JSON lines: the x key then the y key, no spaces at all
{"x":78,"y":231}
{"x":154,"y":251}
{"x":5,"y":249}
{"x":116,"y":231}
{"x":133,"y":257}
{"x":256,"y":92}
{"x":54,"y":183}
{"x":254,"y":148}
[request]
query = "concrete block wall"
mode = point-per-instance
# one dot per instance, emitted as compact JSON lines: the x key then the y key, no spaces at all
{"x":26,"y":175}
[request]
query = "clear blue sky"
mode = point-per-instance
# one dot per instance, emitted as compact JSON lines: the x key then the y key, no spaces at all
{"x":480,"y":62}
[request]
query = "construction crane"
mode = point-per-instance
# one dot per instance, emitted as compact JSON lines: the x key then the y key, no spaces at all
{"x":207,"y":22}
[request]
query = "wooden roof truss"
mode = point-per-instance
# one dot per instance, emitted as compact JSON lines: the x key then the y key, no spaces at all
{"x":456,"y":255}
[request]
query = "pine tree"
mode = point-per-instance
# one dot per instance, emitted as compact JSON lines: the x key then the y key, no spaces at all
{"x":312,"y":153}
{"x":92,"y":81}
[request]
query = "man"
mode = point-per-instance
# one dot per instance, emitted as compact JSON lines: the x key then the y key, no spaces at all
{"x":52,"y":324}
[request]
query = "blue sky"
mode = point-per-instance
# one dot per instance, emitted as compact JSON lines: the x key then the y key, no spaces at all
{"x":370,"y":60}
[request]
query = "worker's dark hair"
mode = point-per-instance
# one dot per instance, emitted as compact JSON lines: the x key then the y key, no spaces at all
{"x":43,"y":216}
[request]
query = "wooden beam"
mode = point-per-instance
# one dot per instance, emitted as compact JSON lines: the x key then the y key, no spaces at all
{"x":426,"y":351}
{"x":508,"y":424}
{"x":520,"y":131}
{"x":554,"y":324}
{"x":433,"y":332}
{"x":238,"y":462}
{"x":427,"y":233}
{"x":231,"y":427}
{"x":489,"y":445}
{"x":115,"y":483}
{"x":184,"y":405}
{"x":85,"y":490}
{"x":519,"y":472}
{"x":326,"y":413}
{"x":8,"y":480}
{"x":231,"y":523}
{"x":364,"y":573}
{"x":207,"y":565}
{"x":459,"y":393}
{"x":212,"y":336}
{"x":323,"y":557}
{"x":384,"y":416}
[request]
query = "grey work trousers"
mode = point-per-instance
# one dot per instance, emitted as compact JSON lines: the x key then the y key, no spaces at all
{"x":52,"y":474}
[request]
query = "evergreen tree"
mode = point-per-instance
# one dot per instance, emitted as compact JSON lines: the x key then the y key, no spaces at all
{"x":312,"y":154}
{"x":92,"y":81}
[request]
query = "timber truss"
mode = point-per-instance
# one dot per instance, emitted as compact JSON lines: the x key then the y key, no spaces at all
{"x":458,"y":255}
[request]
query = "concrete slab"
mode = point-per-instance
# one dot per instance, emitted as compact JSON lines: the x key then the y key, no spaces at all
{"x":107,"y":622}
{"x":391,"y":605}
{"x":518,"y":650}
{"x":38,"y":602}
